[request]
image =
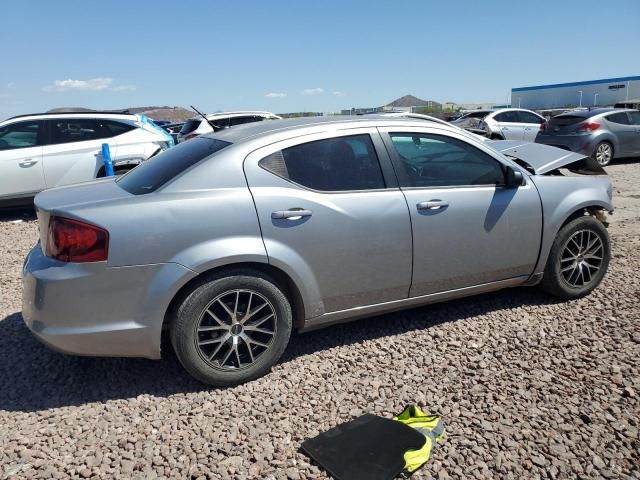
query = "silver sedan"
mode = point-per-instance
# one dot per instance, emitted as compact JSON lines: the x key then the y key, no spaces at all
{"x":233,"y":240}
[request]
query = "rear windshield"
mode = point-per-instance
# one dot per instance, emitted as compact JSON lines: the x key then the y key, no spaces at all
{"x":190,"y":126}
{"x":566,"y":120}
{"x":155,"y":172}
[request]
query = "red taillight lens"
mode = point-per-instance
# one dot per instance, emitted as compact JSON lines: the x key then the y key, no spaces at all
{"x":73,"y":241}
{"x":588,"y":127}
{"x":543,"y":126}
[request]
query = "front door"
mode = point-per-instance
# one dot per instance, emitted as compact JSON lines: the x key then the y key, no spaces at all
{"x":21,"y":159}
{"x":330,"y":215}
{"x":468,"y":227}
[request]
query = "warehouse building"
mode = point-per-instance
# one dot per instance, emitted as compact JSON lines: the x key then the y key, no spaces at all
{"x":601,"y":93}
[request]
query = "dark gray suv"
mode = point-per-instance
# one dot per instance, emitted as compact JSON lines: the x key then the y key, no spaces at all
{"x":603,"y":133}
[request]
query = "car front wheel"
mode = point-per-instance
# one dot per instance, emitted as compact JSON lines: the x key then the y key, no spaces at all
{"x":578,"y":259}
{"x":231,"y":329}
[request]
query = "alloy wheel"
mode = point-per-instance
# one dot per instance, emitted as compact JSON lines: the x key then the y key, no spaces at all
{"x":603,"y":154}
{"x":235,"y":329}
{"x":581,"y":259}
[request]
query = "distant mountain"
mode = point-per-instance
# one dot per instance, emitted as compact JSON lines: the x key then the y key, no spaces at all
{"x":410,"y":101}
{"x":173,"y":114}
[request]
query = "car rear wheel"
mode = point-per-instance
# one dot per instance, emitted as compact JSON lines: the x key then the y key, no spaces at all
{"x":603,"y":153}
{"x":231,"y":329}
{"x":578,"y":259}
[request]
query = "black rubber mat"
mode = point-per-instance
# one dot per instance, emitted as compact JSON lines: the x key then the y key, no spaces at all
{"x":367,"y":448}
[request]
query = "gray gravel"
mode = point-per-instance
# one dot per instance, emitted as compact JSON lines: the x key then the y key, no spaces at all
{"x":528,"y":387}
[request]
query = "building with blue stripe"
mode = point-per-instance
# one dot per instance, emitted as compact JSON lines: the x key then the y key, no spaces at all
{"x":600,"y":93}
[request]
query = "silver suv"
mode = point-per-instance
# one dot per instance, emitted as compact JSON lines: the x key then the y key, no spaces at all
{"x":234,"y":239}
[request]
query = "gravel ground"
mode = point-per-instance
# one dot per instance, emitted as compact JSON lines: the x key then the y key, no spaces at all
{"x":528,"y":387}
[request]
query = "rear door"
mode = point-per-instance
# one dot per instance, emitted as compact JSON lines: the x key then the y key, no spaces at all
{"x":21,"y":159}
{"x":468,"y":228}
{"x":620,"y":124}
{"x":74,"y":150}
{"x":508,"y":125}
{"x":329,"y":210}
{"x":531,"y":125}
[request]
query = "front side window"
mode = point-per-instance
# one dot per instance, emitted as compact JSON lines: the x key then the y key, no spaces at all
{"x":19,"y":135}
{"x":635,"y":118}
{"x":507,"y":117}
{"x":428,"y":160}
{"x":68,"y":130}
{"x":331,"y":165}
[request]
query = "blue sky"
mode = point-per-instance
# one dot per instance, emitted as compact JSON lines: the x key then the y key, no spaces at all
{"x":303,"y":55}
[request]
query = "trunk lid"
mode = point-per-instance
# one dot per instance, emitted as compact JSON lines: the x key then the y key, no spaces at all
{"x":74,"y":200}
{"x":541,"y":158}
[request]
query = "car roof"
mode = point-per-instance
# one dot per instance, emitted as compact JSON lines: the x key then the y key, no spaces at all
{"x":235,"y":114}
{"x":590,"y":113}
{"x":247,"y":131}
{"x":106,"y":114}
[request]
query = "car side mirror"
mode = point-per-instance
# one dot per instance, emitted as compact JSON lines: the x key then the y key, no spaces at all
{"x":514,"y":178}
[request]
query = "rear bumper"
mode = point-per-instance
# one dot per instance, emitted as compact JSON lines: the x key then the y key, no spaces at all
{"x":576,"y":143}
{"x":95,"y":310}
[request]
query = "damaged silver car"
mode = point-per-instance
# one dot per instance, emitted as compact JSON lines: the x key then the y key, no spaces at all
{"x":233,"y":240}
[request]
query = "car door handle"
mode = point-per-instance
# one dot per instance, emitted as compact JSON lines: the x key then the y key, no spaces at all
{"x":432,"y":205}
{"x":27,"y":163}
{"x":292,"y":213}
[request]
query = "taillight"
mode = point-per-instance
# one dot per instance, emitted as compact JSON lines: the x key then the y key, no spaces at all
{"x":74,"y":241}
{"x":588,"y":127}
{"x":543,"y":126}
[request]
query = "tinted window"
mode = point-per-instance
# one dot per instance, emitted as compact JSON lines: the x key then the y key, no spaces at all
{"x":438,"y":161}
{"x":19,"y":135}
{"x":528,"y":117}
{"x":241,"y":120}
{"x":510,"y":117}
{"x":115,"y":127}
{"x":67,"y":130}
{"x":476,"y":115}
{"x":334,"y":164}
{"x":152,"y":174}
{"x":635,"y":118}
{"x":620,"y":118}
{"x":190,"y":126}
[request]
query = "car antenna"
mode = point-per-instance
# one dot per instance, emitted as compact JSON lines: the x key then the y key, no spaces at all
{"x":213,"y":125}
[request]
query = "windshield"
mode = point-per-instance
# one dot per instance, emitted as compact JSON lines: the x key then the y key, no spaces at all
{"x":155,"y":172}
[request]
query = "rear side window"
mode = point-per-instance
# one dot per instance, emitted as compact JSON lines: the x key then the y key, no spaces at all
{"x":69,"y":130}
{"x":154,"y":173}
{"x":331,"y":165}
{"x":528,"y":117}
{"x":190,"y":126}
{"x":635,"y":118}
{"x":19,"y":135}
{"x":621,"y":118}
{"x":242,"y":120}
{"x":115,"y":127}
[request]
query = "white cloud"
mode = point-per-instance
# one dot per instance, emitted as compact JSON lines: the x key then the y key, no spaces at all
{"x":338,"y":93}
{"x":275,"y":95}
{"x":124,"y":88}
{"x":95,"y":84}
{"x":10,"y":85}
{"x":312,"y":91}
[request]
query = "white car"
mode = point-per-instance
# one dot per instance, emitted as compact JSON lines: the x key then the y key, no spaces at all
{"x":503,"y":123}
{"x":198,"y":126}
{"x":41,"y":151}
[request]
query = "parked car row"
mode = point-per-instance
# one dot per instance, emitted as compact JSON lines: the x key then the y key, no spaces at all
{"x":603,"y":133}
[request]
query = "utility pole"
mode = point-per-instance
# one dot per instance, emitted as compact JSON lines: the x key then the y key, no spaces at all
{"x":580,"y":92}
{"x":595,"y":99}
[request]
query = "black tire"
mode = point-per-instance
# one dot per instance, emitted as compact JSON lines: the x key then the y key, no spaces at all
{"x":189,"y":314}
{"x":554,"y":280}
{"x":603,"y":159}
